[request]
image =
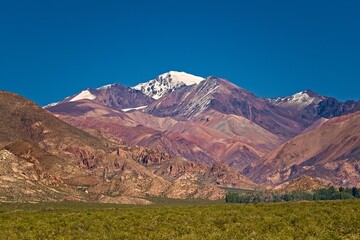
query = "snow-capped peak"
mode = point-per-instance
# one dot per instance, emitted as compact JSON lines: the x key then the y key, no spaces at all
{"x":86,"y":94}
{"x":300,"y":100}
{"x":167,"y":82}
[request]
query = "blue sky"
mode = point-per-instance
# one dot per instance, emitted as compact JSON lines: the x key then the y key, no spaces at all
{"x":52,"y":49}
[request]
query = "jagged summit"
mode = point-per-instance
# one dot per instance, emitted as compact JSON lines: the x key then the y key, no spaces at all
{"x":112,"y":95}
{"x":311,"y":93}
{"x":167,"y":82}
{"x":299,"y":100}
{"x":153,"y":89}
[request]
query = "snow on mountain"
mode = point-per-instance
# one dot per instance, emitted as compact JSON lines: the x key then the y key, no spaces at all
{"x":155,"y":89}
{"x":167,"y":82}
{"x":135,"y":108}
{"x":86,"y":94}
{"x":299,"y":100}
{"x":105,"y":86}
{"x":51,"y":104}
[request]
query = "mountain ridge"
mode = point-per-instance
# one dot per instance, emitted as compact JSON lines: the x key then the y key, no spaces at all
{"x":209,"y":121}
{"x":87,"y":167}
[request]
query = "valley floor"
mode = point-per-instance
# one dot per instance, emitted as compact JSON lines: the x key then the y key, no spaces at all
{"x":296,"y":220}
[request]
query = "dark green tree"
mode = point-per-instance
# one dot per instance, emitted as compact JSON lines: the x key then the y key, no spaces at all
{"x":355,"y":192}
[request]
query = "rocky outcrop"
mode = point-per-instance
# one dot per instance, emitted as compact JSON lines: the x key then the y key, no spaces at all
{"x":330,"y":107}
{"x":23,"y":180}
{"x":303,"y":183}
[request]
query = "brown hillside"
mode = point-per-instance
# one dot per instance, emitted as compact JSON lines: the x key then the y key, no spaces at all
{"x":331,"y":152}
{"x":82,"y":166}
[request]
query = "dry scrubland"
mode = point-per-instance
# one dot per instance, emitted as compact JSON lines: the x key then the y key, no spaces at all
{"x":182,"y":220}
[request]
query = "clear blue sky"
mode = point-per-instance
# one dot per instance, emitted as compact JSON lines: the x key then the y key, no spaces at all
{"x":52,"y":49}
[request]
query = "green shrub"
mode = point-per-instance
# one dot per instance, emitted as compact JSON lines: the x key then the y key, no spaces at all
{"x":267,"y":196}
{"x":295,"y":220}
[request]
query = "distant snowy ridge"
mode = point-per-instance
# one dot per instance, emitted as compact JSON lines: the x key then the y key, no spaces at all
{"x":299,"y":100}
{"x":156,"y":88}
{"x":167,"y":82}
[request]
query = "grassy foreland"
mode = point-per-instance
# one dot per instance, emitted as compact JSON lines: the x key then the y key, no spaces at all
{"x":295,"y":220}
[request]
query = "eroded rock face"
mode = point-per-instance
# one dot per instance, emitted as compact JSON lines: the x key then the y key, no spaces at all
{"x":114,"y":176}
{"x":23,"y":181}
{"x":43,"y":154}
{"x":148,"y":157}
{"x":304,"y":183}
{"x":182,"y":190}
{"x":118,"y":177}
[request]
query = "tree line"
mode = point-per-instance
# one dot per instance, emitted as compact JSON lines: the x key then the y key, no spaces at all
{"x":330,"y":193}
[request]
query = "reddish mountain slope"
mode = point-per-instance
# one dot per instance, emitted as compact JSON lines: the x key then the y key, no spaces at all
{"x":226,"y":138}
{"x":203,"y":120}
{"x":331,"y":152}
{"x":81,"y":166}
{"x":190,"y":102}
{"x":85,"y":167}
{"x":113,"y":95}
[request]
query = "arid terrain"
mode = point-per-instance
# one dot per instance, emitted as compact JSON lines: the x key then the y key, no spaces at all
{"x":177,"y":136}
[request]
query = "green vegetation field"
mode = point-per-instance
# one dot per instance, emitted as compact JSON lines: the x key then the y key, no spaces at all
{"x":293,"y":220}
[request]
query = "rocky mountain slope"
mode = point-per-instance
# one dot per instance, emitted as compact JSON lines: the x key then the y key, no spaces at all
{"x":230,"y":139}
{"x":206,"y":121}
{"x":23,"y":180}
{"x":331,"y":153}
{"x":42,"y":154}
{"x":112,"y":95}
{"x":299,"y":100}
{"x":309,"y":107}
{"x":192,"y":102}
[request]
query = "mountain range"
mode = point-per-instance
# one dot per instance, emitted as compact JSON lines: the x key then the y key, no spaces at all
{"x":176,"y":136}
